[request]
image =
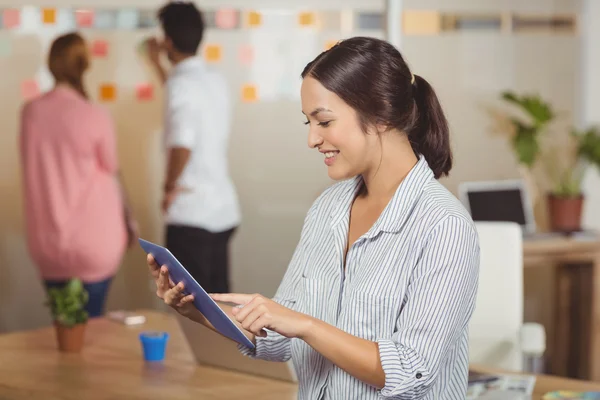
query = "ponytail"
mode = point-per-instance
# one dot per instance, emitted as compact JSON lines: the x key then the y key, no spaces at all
{"x":430,"y":135}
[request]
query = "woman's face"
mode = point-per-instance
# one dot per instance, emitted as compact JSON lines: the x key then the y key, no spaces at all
{"x":335,"y":131}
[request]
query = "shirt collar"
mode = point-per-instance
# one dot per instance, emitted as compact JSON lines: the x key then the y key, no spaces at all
{"x":190,"y":63}
{"x":398,"y":209}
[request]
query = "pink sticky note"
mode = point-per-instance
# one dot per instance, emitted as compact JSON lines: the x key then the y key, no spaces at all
{"x":30,"y":89}
{"x":226,"y":18}
{"x":99,"y":48}
{"x":145,"y":92}
{"x":246,"y":54}
{"x":11,"y":18}
{"x":84,"y":18}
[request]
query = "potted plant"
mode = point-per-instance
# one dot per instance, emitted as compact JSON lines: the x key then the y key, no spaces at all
{"x":527,"y":130}
{"x":565,"y":200}
{"x":67,"y":306}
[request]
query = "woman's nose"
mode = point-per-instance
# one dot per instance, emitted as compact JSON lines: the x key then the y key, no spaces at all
{"x":314,"y":139}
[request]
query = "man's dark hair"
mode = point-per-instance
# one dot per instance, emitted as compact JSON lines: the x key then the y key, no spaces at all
{"x":183,"y":23}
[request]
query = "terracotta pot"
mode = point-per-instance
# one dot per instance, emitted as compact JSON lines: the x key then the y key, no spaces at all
{"x":565,"y":213}
{"x":70,"y":339}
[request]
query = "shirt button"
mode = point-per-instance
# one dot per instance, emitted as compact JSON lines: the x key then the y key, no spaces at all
{"x":419,"y":375}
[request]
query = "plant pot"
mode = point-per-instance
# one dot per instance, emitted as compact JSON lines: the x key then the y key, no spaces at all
{"x":565,"y":213}
{"x":70,"y":339}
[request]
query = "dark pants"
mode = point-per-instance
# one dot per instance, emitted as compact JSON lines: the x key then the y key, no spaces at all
{"x":204,"y":254}
{"x":97,"y":294}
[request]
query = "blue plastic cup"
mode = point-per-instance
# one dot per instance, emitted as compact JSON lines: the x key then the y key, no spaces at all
{"x":154,"y":345}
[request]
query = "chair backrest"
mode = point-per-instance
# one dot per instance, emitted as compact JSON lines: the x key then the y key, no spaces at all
{"x":495,"y":325}
{"x":591,"y":207}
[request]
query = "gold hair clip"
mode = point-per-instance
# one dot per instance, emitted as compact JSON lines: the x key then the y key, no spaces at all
{"x":412,"y":79}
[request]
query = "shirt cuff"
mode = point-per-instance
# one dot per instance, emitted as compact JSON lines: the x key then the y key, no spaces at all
{"x":403,"y":373}
{"x":261,"y":350}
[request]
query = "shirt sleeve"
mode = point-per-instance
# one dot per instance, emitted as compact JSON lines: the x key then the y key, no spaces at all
{"x":181,"y":117}
{"x":276,"y":347}
{"x":440,"y":302}
{"x":107,"y":146}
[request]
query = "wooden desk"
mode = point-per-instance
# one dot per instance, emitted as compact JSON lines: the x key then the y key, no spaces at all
{"x":576,"y":348}
{"x":111,"y":367}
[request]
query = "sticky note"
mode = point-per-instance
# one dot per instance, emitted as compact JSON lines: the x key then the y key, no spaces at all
{"x":105,"y":19}
{"x":99,"y":48}
{"x":330,"y":43}
{"x":246,"y":54}
{"x":226,"y":18}
{"x":49,"y":15}
{"x":306,"y":19}
{"x":145,"y":92}
{"x":5,"y":47}
{"x":11,"y":18}
{"x":212,"y":53}
{"x":84,"y":18}
{"x":249,"y":93}
{"x":108,"y":92}
{"x":253,"y":19}
{"x":30,"y":89}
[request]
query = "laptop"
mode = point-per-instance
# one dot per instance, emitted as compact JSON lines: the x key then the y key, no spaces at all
{"x":214,"y":350}
{"x":503,"y":200}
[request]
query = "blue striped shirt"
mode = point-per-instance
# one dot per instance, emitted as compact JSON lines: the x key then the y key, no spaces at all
{"x":410,"y":285}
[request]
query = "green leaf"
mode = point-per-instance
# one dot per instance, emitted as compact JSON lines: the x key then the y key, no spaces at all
{"x":67,"y":304}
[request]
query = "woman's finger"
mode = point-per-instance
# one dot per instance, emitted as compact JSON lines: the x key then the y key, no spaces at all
{"x":247,"y":321}
{"x":243,"y":312}
{"x":258,"y":326}
{"x":185,"y":300}
{"x":153,"y":266}
{"x":163,"y":279}
{"x":173,"y":295}
{"x":235,"y":298}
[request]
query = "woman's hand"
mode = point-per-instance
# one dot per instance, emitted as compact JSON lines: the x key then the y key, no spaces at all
{"x":172,"y":294}
{"x":258,"y":313}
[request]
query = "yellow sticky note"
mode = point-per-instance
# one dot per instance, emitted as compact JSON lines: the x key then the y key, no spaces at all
{"x":253,"y":19}
{"x":306,"y":19}
{"x":212,"y":53}
{"x":49,"y":15}
{"x":249,"y":93}
{"x":330,"y":43}
{"x":108,"y":92}
{"x":421,"y":22}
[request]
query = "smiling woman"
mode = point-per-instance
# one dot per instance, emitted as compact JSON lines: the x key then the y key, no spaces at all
{"x":381,"y":287}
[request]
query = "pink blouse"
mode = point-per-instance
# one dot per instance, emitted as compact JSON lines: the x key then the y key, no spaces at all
{"x":73,"y":205}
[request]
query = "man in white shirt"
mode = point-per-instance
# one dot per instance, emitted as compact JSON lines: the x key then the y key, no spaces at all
{"x":200,"y":200}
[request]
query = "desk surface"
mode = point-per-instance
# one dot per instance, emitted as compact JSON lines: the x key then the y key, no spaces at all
{"x":111,"y":367}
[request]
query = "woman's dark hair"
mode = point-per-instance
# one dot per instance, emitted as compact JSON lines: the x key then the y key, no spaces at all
{"x":68,"y":60}
{"x":183,"y":23}
{"x":372,"y":77}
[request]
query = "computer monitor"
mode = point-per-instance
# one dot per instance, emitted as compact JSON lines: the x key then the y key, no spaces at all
{"x":505,"y":200}
{"x":214,"y":350}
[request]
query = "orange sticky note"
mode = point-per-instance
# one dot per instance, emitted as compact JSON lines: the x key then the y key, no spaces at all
{"x":249,"y":93}
{"x":84,"y":18}
{"x":226,"y":18}
{"x":11,"y":18}
{"x":145,"y":92}
{"x":253,"y":19}
{"x":100,"y":48}
{"x":108,"y":92}
{"x":212,"y":53}
{"x":246,"y":54}
{"x":306,"y":19}
{"x":30,"y":89}
{"x":330,"y":43}
{"x":49,"y":15}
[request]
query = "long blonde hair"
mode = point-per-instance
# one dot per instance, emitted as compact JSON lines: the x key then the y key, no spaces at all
{"x":68,"y":60}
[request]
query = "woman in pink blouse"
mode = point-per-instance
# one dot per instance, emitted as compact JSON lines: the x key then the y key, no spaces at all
{"x":78,"y":224}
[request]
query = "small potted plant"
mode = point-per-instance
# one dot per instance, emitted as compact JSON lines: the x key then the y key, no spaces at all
{"x":67,"y":306}
{"x":566,"y":200}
